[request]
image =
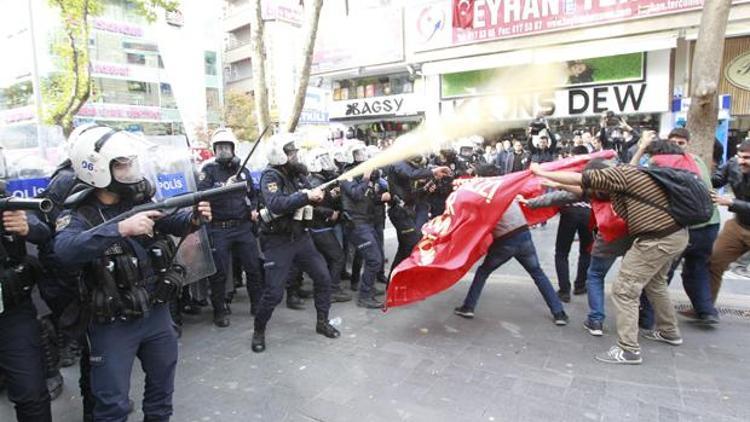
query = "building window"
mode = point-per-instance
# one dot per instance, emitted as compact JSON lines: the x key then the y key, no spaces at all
{"x":210,"y":62}
{"x":370,"y":87}
{"x":134,"y":58}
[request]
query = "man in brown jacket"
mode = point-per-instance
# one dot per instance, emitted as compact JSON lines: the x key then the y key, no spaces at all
{"x":658,"y":241}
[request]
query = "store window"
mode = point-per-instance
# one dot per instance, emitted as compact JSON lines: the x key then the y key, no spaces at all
{"x":352,"y":89}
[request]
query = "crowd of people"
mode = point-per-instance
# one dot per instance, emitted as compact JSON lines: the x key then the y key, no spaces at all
{"x":116,"y":292}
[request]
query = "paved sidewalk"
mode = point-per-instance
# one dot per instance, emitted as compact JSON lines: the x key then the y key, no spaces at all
{"x":422,"y":363}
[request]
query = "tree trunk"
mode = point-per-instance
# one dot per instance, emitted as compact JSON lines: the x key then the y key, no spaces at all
{"x":704,"y":81}
{"x":309,"y":33}
{"x":258,"y":58}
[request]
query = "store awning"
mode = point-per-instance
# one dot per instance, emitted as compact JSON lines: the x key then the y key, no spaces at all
{"x":556,"y":54}
{"x":382,"y":118}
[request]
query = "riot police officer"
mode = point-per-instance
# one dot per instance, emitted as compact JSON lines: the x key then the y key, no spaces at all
{"x":325,"y":216}
{"x":443,"y":187}
{"x":124,"y":289}
{"x":357,"y":197}
{"x":21,"y":354}
{"x":403,"y":182}
{"x":231,"y":228}
{"x":286,"y":241}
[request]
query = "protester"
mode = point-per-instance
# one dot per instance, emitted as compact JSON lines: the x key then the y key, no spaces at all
{"x":659,"y":239}
{"x":512,"y":239}
{"x":734,"y":239}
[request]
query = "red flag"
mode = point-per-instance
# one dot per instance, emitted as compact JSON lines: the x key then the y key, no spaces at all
{"x":453,"y":242}
{"x":463,"y":14}
{"x":610,"y":225}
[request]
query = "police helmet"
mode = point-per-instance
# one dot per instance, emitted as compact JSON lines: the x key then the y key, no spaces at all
{"x":279,"y":148}
{"x":356,"y":152}
{"x":102,"y":155}
{"x":223,"y":136}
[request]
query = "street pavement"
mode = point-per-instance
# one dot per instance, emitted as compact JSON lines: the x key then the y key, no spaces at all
{"x":422,"y":363}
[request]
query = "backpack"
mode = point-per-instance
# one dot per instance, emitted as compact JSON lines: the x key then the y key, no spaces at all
{"x":689,"y":198}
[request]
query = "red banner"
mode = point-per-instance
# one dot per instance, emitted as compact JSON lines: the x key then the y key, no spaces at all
{"x":496,"y":19}
{"x":453,"y":242}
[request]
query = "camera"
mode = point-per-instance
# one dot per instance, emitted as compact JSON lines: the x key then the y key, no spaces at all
{"x":612,"y":119}
{"x":537,"y":125}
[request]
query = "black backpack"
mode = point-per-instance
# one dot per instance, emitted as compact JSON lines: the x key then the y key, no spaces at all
{"x":689,"y":198}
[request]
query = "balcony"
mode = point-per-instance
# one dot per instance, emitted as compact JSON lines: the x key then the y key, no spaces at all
{"x":241,"y":85}
{"x":237,"y":17}
{"x":240,"y":52}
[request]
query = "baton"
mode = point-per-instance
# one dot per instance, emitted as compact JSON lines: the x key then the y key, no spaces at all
{"x":250,"y":154}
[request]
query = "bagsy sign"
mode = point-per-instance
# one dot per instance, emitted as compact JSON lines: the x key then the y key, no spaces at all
{"x":394,"y":105}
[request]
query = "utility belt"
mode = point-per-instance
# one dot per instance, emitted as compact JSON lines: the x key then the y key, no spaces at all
{"x":16,"y":283}
{"x":227,"y":224}
{"x":284,"y":225}
{"x":119,"y":293}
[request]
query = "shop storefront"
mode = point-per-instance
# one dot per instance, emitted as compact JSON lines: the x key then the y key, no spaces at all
{"x":377,"y":108}
{"x":635,"y":86}
{"x":735,"y":82}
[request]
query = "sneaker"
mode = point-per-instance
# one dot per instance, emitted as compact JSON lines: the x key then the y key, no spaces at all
{"x":258,"y":343}
{"x":594,"y":327}
{"x":464,"y":311}
{"x":619,"y":356}
{"x":657,"y":335}
{"x":561,"y":318}
{"x":564,"y":296}
{"x":579,"y":291}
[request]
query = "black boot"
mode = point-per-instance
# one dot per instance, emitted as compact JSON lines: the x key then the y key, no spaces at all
{"x":221,"y":319}
{"x":293,"y":301}
{"x":325,"y":328}
{"x":339,"y":295}
{"x":259,"y":339}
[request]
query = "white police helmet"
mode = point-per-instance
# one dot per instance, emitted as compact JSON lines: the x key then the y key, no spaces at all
{"x":278,"y":148}
{"x":101,"y":156}
{"x":73,"y":137}
{"x":220,"y":140}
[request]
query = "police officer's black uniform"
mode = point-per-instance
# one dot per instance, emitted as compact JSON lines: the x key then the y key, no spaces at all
{"x":403,"y":181}
{"x":357,"y":197}
{"x":231,"y":231}
{"x":21,"y":355}
{"x":444,"y":186}
{"x":322,"y":230}
{"x":286,"y":241}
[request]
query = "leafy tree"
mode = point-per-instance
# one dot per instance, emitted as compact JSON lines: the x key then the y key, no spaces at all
{"x":239,"y":115}
{"x":68,"y":89}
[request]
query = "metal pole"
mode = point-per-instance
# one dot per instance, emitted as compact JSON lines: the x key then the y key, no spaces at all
{"x":35,"y":78}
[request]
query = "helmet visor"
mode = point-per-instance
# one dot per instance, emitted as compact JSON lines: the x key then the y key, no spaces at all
{"x":126,"y":170}
{"x":325,"y":162}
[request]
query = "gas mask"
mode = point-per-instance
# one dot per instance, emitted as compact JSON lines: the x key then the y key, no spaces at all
{"x":224,"y":152}
{"x":128,"y":181}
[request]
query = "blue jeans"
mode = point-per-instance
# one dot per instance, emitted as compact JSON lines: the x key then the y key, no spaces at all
{"x":598,"y":270}
{"x":696,"y":278}
{"x":521,"y":247}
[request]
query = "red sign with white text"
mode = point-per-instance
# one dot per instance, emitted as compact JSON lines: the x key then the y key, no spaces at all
{"x":496,"y":19}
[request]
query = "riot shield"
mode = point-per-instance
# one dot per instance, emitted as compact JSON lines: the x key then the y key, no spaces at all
{"x":28,"y":160}
{"x":168,"y":165}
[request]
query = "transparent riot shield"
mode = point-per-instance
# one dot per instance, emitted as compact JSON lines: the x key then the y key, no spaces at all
{"x":29,"y":158}
{"x":168,"y":165}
